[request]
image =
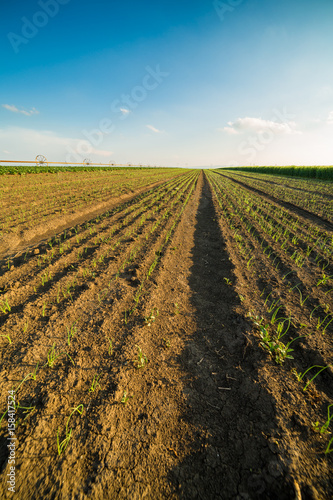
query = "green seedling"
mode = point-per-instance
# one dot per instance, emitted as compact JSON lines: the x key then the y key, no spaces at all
{"x":324,"y":428}
{"x":297,"y":374}
{"x":280,"y":332}
{"x":319,"y":323}
{"x":266,"y":300}
{"x":321,"y":368}
{"x":47,"y":276}
{"x":94,"y":384}
{"x":313,"y":310}
{"x":152,"y":316}
{"x":71,"y":331}
{"x":277,"y":349}
{"x":327,"y":263}
{"x":324,"y":279}
{"x":248,"y":265}
{"x":53,"y":355}
{"x":58,"y":294}
{"x":327,"y":308}
{"x":142,"y":358}
{"x":26,"y":326}
{"x":273,"y":305}
{"x":67,"y":291}
{"x":274,"y":318}
{"x":167,"y":343}
{"x":125,"y":398}
{"x":329,"y":449}
{"x":152,"y":267}
{"x":301,"y":299}
{"x":284,"y":277}
{"x":30,"y":376}
{"x":7,"y":337}
{"x":85,"y":272}
{"x":228,"y":282}
{"x":101,"y":259}
{"x":4,"y":306}
{"x":323,"y":332}
{"x":295,"y":286}
{"x":62,"y":445}
{"x":110,"y":350}
{"x":28,"y":410}
{"x":80,"y":253}
{"x":102,"y":295}
{"x":44,"y":309}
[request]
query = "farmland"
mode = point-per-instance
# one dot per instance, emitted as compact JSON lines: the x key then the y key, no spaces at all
{"x":37,"y":201}
{"x":166,"y":333}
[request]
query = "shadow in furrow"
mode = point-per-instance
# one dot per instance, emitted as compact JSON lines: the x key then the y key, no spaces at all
{"x":227,"y":409}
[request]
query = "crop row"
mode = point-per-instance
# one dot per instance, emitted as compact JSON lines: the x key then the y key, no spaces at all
{"x":81,"y":233}
{"x":28,"y":200}
{"x":285,"y":240}
{"x":311,"y":195}
{"x":113,"y":289}
{"x":290,"y":300}
{"x":67,"y":263}
{"x":307,"y":243}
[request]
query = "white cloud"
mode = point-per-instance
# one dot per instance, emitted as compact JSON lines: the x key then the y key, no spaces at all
{"x":154,"y":129}
{"x":230,"y":129}
{"x":6,"y":152}
{"x":125,"y":111}
{"x":248,"y":124}
{"x":14,"y":109}
{"x":330,"y":118}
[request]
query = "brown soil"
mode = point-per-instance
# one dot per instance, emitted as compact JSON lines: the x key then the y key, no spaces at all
{"x":26,"y":238}
{"x":284,"y":183}
{"x":290,"y":206}
{"x":208,"y":416}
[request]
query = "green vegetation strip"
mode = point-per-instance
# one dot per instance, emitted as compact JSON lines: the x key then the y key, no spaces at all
{"x":20,"y":170}
{"x":321,"y":173}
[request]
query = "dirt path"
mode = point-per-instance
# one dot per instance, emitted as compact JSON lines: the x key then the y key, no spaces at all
{"x":198,"y":420}
{"x":226,"y":406}
{"x":198,"y":412}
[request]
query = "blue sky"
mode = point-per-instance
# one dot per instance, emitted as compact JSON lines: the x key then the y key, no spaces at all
{"x":188,"y":83}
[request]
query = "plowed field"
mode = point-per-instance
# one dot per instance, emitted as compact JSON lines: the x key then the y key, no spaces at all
{"x":178,"y":345}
